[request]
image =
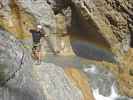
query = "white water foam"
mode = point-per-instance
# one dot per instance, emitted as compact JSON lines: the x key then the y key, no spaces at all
{"x":92,"y":69}
{"x":113,"y":95}
{"x":97,"y":95}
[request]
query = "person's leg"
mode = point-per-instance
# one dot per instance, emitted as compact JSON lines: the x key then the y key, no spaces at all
{"x":35,"y":56}
{"x":33,"y":53}
{"x":36,"y":52}
{"x":39,"y":54}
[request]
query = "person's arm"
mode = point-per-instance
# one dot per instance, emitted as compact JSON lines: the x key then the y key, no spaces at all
{"x":31,"y":30}
{"x":43,"y":33}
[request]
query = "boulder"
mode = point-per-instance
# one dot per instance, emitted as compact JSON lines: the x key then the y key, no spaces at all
{"x":22,"y":79}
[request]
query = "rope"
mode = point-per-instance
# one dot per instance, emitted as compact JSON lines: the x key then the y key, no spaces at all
{"x":14,"y":73}
{"x":3,"y":83}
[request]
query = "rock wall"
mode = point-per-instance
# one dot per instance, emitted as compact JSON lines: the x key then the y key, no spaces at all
{"x":11,"y":54}
{"x":21,"y":79}
{"x":106,"y":23}
{"x":108,"y":20}
{"x":125,"y":78}
{"x":15,"y":20}
{"x":111,"y":20}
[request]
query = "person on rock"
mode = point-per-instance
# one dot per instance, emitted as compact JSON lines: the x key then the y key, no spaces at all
{"x":37,"y":34}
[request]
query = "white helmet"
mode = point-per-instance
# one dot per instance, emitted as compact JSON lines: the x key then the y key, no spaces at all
{"x":39,"y":26}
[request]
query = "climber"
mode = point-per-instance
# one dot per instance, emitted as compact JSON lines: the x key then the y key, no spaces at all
{"x":36,"y":49}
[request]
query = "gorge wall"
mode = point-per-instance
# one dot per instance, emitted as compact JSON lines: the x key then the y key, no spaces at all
{"x":104,"y":24}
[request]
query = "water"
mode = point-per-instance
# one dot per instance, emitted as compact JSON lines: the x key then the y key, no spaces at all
{"x":102,"y":81}
{"x":98,"y":96}
{"x":106,"y":78}
{"x":92,"y":51}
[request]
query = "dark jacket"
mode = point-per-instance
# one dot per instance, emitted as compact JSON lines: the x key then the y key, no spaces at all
{"x":36,"y":35}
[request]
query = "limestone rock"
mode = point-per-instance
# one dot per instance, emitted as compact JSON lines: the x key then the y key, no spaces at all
{"x":10,"y":54}
{"x":53,"y":86}
{"x":81,"y":81}
{"x":30,"y":81}
{"x":42,"y":12}
{"x":125,"y":77}
{"x":106,"y":23}
{"x":107,"y":18}
{"x":15,"y":20}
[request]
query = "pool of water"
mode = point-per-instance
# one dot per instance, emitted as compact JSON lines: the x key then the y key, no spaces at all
{"x":102,"y":81}
{"x":92,"y":51}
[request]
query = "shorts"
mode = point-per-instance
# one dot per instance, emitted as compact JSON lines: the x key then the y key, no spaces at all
{"x":36,"y":46}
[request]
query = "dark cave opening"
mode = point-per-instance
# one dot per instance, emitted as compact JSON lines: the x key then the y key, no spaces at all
{"x":86,"y":30}
{"x":131,"y":34}
{"x":86,"y":41}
